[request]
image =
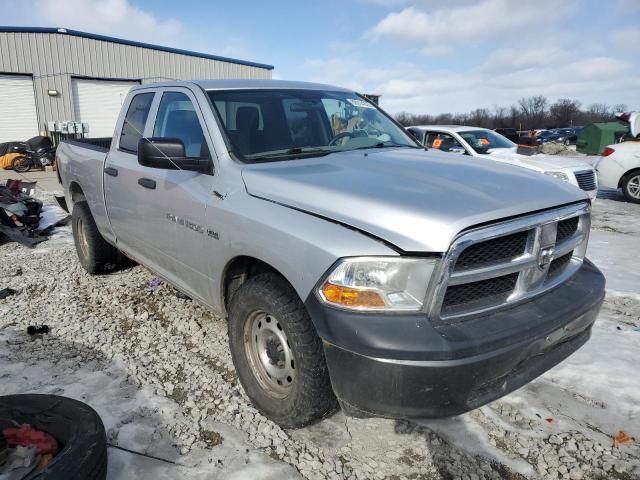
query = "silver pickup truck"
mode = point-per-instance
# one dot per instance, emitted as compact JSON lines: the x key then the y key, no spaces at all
{"x":353,"y":266}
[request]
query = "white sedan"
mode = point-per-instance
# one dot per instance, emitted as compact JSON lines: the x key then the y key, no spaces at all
{"x":619,"y":167}
{"x":487,"y":144}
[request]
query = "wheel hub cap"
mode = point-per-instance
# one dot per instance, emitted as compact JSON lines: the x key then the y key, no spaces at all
{"x":269,"y":354}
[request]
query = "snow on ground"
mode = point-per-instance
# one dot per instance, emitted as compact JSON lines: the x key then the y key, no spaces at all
{"x":157,"y":370}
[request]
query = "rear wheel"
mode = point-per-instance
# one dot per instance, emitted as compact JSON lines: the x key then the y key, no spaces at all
{"x":21,"y":164}
{"x":94,"y":253}
{"x":631,"y":187}
{"x":278,"y":354}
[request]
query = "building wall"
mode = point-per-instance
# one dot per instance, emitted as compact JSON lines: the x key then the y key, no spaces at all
{"x":54,"y":58}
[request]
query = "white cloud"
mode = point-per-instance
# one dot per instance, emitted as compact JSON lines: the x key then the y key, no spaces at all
{"x":455,"y":24}
{"x":407,"y":87}
{"x":117,"y":18}
{"x":626,"y":38}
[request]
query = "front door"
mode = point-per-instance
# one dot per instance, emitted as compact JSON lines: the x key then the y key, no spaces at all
{"x":184,"y":195}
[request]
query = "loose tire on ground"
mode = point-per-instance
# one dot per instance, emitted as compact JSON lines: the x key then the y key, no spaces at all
{"x":75,"y":425}
{"x":21,"y":164}
{"x":631,"y":187}
{"x":94,"y":253}
{"x":308,"y":397}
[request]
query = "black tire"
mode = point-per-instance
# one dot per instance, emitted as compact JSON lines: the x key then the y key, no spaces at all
{"x":629,"y":181}
{"x":75,"y":425}
{"x":310,"y":396}
{"x":94,"y":253}
{"x":21,"y":164}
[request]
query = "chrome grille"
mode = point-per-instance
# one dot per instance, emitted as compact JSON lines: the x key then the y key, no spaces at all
{"x":493,"y":290}
{"x":566,"y":229}
{"x":504,"y":263}
{"x":586,"y":180}
{"x":498,"y":249}
{"x":558,"y":264}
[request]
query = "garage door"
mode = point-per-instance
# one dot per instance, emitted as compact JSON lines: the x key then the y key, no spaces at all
{"x":18,"y":119}
{"x":98,"y":102}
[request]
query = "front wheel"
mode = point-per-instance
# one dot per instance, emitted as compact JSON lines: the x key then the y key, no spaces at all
{"x":278,"y":354}
{"x":21,"y":164}
{"x":631,"y":187}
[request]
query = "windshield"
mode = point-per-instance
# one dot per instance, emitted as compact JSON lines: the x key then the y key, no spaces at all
{"x":484,"y":140}
{"x":266,"y":124}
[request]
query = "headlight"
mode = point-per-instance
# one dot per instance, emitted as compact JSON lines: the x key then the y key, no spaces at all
{"x":559,"y":175}
{"x":378,"y":283}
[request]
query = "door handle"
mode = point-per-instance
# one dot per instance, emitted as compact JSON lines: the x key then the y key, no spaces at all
{"x":113,"y":172}
{"x":147,"y":183}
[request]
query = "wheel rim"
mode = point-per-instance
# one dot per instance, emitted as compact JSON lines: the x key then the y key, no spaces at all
{"x":269,"y":354}
{"x":82,"y":238}
{"x":21,"y":164}
{"x":633,"y":187}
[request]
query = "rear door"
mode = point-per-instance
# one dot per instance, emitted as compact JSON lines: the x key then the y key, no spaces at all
{"x":129,"y":204}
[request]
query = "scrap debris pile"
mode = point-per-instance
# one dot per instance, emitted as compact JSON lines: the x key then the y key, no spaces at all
{"x":24,"y":450}
{"x":23,"y":218}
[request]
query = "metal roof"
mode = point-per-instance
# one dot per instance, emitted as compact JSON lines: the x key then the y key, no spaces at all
{"x":105,"y":38}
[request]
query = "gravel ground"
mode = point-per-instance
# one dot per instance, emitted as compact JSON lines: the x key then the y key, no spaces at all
{"x":157,"y":369}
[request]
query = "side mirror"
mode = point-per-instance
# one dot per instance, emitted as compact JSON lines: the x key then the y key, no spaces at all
{"x":168,"y":154}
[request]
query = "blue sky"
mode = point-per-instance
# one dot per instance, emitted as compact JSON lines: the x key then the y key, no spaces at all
{"x":423,"y":56}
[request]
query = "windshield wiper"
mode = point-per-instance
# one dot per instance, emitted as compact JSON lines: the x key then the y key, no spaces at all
{"x":303,"y":151}
{"x":387,"y":145}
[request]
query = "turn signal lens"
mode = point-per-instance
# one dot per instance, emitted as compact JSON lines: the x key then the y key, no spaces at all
{"x":351,"y":297}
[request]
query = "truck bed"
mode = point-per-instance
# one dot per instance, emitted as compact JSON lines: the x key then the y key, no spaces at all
{"x":81,"y":163}
{"x":101,"y":144}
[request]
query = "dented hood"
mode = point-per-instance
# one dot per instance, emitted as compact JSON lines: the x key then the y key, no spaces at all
{"x":414,"y":199}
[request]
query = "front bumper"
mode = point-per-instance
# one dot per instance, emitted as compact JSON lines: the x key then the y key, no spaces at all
{"x":378,"y":368}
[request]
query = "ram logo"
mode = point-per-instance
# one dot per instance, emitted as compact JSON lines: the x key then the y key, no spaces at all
{"x":545,"y":256}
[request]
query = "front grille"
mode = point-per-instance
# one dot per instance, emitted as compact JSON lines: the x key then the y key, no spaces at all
{"x":558,"y":264}
{"x":495,"y":250}
{"x":485,"y":291}
{"x":586,"y":179}
{"x":499,"y":264}
{"x":566,"y":229}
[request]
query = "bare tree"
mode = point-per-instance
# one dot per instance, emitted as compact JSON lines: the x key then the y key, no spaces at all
{"x":534,"y":110}
{"x":565,"y":112}
{"x":530,"y":112}
{"x":619,"y":108}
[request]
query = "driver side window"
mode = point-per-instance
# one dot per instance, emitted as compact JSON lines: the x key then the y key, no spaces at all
{"x":178,"y":119}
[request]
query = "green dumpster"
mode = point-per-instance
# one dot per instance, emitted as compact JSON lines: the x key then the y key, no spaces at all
{"x":595,"y":137}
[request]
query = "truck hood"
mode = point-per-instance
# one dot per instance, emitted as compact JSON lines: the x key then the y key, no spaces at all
{"x":540,"y":161}
{"x":416,"y":200}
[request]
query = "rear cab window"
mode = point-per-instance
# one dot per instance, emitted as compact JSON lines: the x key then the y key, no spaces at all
{"x":134,"y":122}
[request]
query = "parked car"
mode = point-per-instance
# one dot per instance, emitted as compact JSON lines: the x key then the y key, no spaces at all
{"x":349,"y":262}
{"x":568,"y":136}
{"x":510,"y":133}
{"x":619,"y":167}
{"x":487,"y":144}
